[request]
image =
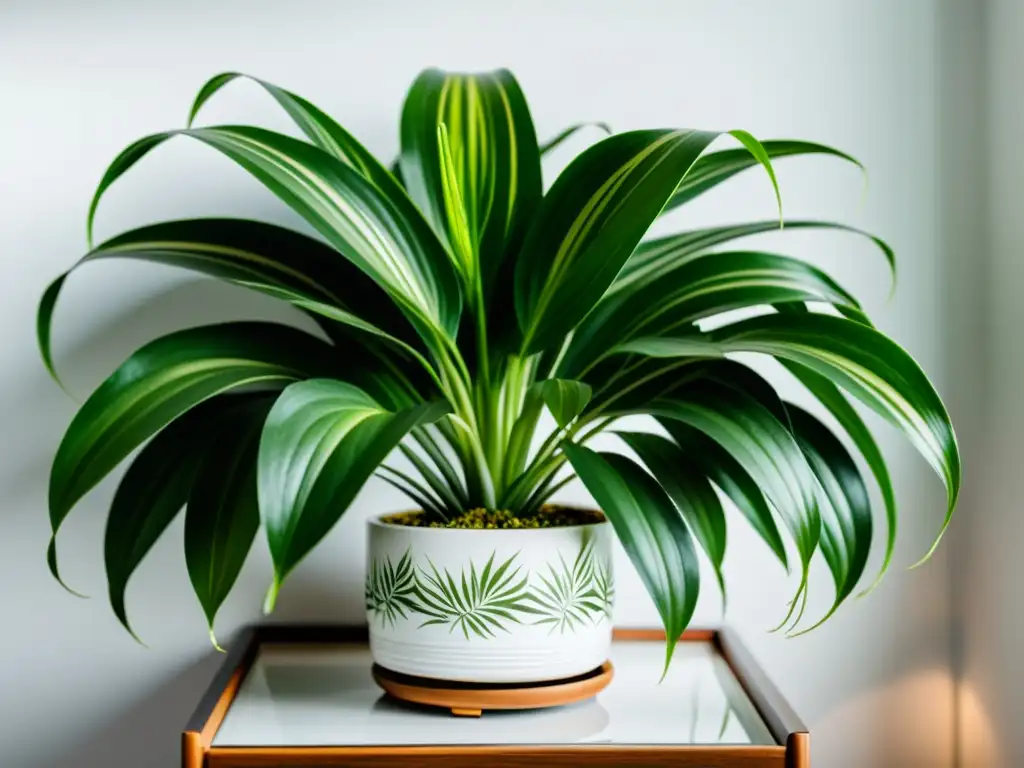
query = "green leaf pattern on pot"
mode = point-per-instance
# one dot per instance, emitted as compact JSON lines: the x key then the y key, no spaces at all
{"x":479,"y":602}
{"x":568,"y":596}
{"x":390,"y":589}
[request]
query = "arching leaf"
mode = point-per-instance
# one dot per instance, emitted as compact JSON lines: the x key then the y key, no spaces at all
{"x":384,"y":236}
{"x":589,"y":224}
{"x":828,"y":394}
{"x":319,"y":127}
{"x":223,"y":513}
{"x":321,"y":442}
{"x":690,"y":491}
{"x":762,"y":445}
{"x":735,"y":482}
{"x":868,"y":365}
{"x":716,"y":167}
{"x":250,"y":253}
{"x":698,"y":289}
{"x":654,"y":258}
{"x":152,"y":492}
{"x":163,"y":380}
{"x":651,"y":531}
{"x":846,"y":511}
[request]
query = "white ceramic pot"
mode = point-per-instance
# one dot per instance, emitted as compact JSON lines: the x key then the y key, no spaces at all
{"x":495,"y":606}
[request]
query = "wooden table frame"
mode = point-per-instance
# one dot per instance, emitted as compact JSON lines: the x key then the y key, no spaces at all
{"x":792,"y":748}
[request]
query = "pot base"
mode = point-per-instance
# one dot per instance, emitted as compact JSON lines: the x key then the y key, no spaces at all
{"x":472,"y":699}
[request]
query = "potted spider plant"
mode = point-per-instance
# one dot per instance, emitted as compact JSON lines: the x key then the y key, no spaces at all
{"x":457,"y":302}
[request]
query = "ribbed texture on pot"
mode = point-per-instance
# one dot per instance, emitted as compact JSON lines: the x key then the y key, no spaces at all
{"x":489,"y":664}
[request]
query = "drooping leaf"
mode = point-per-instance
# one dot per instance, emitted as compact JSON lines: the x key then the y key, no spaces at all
{"x":152,"y":492}
{"x":698,"y":289}
{"x":384,"y":236}
{"x":489,"y":158}
{"x":846,"y":513}
{"x":251,"y":253}
{"x":565,"y":399}
{"x":716,"y":167}
{"x":828,"y":394}
{"x":651,"y":531}
{"x":223,"y":515}
{"x":163,"y":380}
{"x":735,"y":482}
{"x":321,"y":442}
{"x":654,"y":258}
{"x":868,"y":365}
{"x":689,"y":489}
{"x":589,"y":224}
{"x":762,"y":445}
{"x":319,"y":127}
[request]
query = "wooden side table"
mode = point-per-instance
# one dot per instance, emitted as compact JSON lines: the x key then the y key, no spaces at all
{"x":304,"y":696}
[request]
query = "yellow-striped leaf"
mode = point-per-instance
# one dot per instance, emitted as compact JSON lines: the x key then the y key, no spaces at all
{"x":716,"y":167}
{"x":697,"y":289}
{"x":251,"y":253}
{"x":478,"y":182}
{"x":384,"y":236}
{"x":321,"y":442}
{"x":163,"y":380}
{"x":654,"y":258}
{"x":589,"y":224}
{"x":319,"y":127}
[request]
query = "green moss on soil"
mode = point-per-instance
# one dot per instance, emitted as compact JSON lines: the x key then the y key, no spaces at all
{"x":548,"y":517}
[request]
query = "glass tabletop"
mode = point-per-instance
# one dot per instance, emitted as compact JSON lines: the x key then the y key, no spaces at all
{"x":324,"y":695}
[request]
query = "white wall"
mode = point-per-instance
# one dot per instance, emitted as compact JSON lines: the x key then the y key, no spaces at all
{"x":78,"y":81}
{"x":990,"y":570}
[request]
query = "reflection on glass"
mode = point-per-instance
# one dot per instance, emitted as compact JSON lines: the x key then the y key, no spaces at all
{"x":326,"y":696}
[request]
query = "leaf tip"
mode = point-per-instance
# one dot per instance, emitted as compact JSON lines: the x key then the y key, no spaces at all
{"x":271,"y":599}
{"x":213,"y":641}
{"x":51,"y":559}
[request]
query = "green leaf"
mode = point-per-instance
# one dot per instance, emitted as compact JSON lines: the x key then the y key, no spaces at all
{"x":250,"y":253}
{"x":319,"y":127}
{"x":696,"y":345}
{"x":382,"y":235}
{"x":729,"y":475}
{"x":828,"y":394}
{"x":480,"y":184}
{"x":872,"y":368}
{"x":152,"y":492}
{"x":654,"y":258}
{"x":555,"y":141}
{"x":223,"y":513}
{"x":565,"y":399}
{"x":846,"y":513}
{"x":163,"y":380}
{"x":689,"y":489}
{"x":651,"y":531}
{"x":762,"y":445}
{"x":698,"y":289}
{"x":716,"y":167}
{"x":616,"y":188}
{"x":321,"y":442}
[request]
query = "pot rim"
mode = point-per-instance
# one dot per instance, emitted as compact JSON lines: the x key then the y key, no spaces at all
{"x":377,"y":521}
